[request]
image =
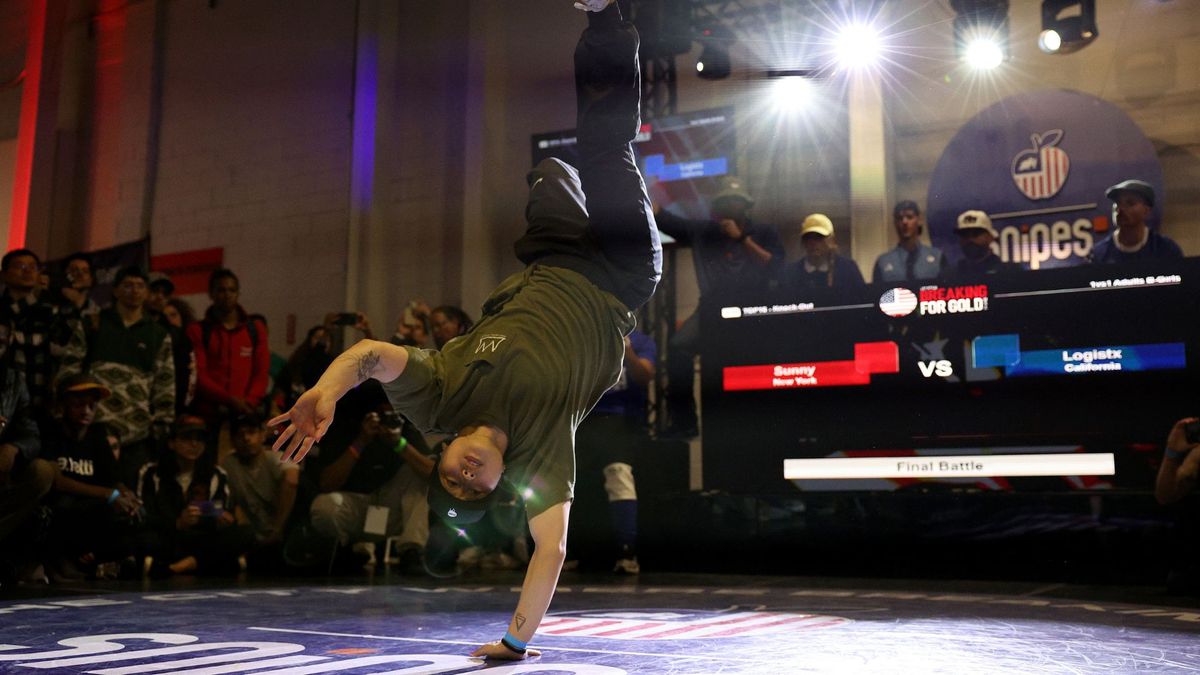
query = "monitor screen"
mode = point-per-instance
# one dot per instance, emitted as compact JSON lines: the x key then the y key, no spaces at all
{"x":1052,"y":380}
{"x":681,"y":157}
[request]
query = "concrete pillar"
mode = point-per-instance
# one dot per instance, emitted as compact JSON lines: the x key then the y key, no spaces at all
{"x":33,"y":175}
{"x":870,"y":171}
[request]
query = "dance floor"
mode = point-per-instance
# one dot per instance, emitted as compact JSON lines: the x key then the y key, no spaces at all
{"x":690,"y":625}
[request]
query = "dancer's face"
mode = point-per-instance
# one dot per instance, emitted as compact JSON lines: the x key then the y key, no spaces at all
{"x":471,"y":467}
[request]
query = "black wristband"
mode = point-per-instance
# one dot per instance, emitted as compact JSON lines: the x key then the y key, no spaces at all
{"x":510,"y":646}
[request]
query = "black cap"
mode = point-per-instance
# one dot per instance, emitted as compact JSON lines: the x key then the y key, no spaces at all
{"x":1139,"y":187}
{"x":451,"y":509}
{"x":249,"y":419}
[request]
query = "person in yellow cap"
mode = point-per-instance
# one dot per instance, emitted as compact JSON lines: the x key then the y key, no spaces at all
{"x":821,"y":266}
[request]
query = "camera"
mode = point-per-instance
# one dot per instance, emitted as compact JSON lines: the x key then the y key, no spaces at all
{"x":391,"y":420}
{"x":346,"y":319}
{"x":1191,"y":432}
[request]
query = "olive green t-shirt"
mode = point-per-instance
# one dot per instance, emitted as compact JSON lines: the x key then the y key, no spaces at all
{"x":549,"y":344}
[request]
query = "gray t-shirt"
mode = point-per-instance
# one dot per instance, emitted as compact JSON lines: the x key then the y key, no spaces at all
{"x":550,"y":343}
{"x":255,"y":487}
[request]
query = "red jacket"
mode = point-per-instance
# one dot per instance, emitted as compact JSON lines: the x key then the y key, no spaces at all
{"x":229,"y":365}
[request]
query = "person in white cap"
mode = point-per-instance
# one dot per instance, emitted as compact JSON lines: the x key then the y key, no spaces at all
{"x":821,"y":266}
{"x":1133,"y":204}
{"x":975,"y":237}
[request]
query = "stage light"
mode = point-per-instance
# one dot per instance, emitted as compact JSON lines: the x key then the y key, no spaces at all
{"x":984,"y":54}
{"x":791,"y":89}
{"x":981,"y":32}
{"x":714,"y":62}
{"x":1067,"y":25}
{"x":858,"y":46}
{"x":1049,"y":41}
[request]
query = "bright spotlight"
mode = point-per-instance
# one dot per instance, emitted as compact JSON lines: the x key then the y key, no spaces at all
{"x":857,"y":46}
{"x":984,"y":54}
{"x":791,"y":93}
{"x":1049,"y":41}
{"x":699,"y":66}
{"x":981,"y":32}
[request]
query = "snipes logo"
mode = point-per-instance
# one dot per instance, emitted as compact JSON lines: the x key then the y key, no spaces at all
{"x":1041,"y":171}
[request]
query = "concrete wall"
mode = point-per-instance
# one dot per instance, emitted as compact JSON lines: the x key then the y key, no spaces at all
{"x":255,"y":148}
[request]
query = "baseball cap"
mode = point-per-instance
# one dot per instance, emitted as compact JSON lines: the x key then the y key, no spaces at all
{"x":732,"y":186}
{"x":451,"y":509}
{"x":1139,"y":187}
{"x":81,"y":383}
{"x":246,"y":420}
{"x":186,"y":423}
{"x":975,"y":220}
{"x":817,"y":223}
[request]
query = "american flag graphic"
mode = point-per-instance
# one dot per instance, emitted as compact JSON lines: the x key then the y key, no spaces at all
{"x":898,"y":302}
{"x":680,"y":625}
{"x":1041,"y":174}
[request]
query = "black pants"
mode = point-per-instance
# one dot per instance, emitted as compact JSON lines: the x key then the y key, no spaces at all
{"x":596,"y":218}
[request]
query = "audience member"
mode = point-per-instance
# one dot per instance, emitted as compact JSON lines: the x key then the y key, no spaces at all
{"x":1133,"y":202}
{"x":179,"y":313}
{"x":448,"y":322}
{"x":730,"y":252}
{"x":191,"y":525}
{"x":76,"y":296}
{"x":821,"y":266}
{"x":1181,"y":462}
{"x":911,"y":260}
{"x":412,"y":328}
{"x":94,"y":512}
{"x":162,"y":289}
{"x":608,"y":443}
{"x":1177,"y":482}
{"x":176,"y":316}
{"x":976,"y":236}
{"x":304,"y":367}
{"x":41,"y":330}
{"x":24,"y":478}
{"x":263,"y":488}
{"x":130,"y":354}
{"x":232,"y":356}
{"x":383,"y":469}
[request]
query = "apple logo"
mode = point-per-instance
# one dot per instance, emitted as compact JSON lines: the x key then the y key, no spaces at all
{"x":1041,"y":171}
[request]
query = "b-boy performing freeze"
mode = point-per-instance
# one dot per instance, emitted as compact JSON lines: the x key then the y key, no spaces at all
{"x":551,"y":338}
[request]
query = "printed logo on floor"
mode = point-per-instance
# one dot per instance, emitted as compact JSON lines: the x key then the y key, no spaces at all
{"x":680,"y":624}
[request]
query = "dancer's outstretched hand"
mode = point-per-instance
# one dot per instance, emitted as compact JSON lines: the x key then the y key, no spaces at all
{"x":310,"y":419}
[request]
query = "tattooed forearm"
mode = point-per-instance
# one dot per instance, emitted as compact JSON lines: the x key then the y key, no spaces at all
{"x":367,"y":365}
{"x":519,"y":620}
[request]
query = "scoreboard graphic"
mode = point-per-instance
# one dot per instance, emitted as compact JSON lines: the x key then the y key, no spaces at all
{"x":1091,"y":358}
